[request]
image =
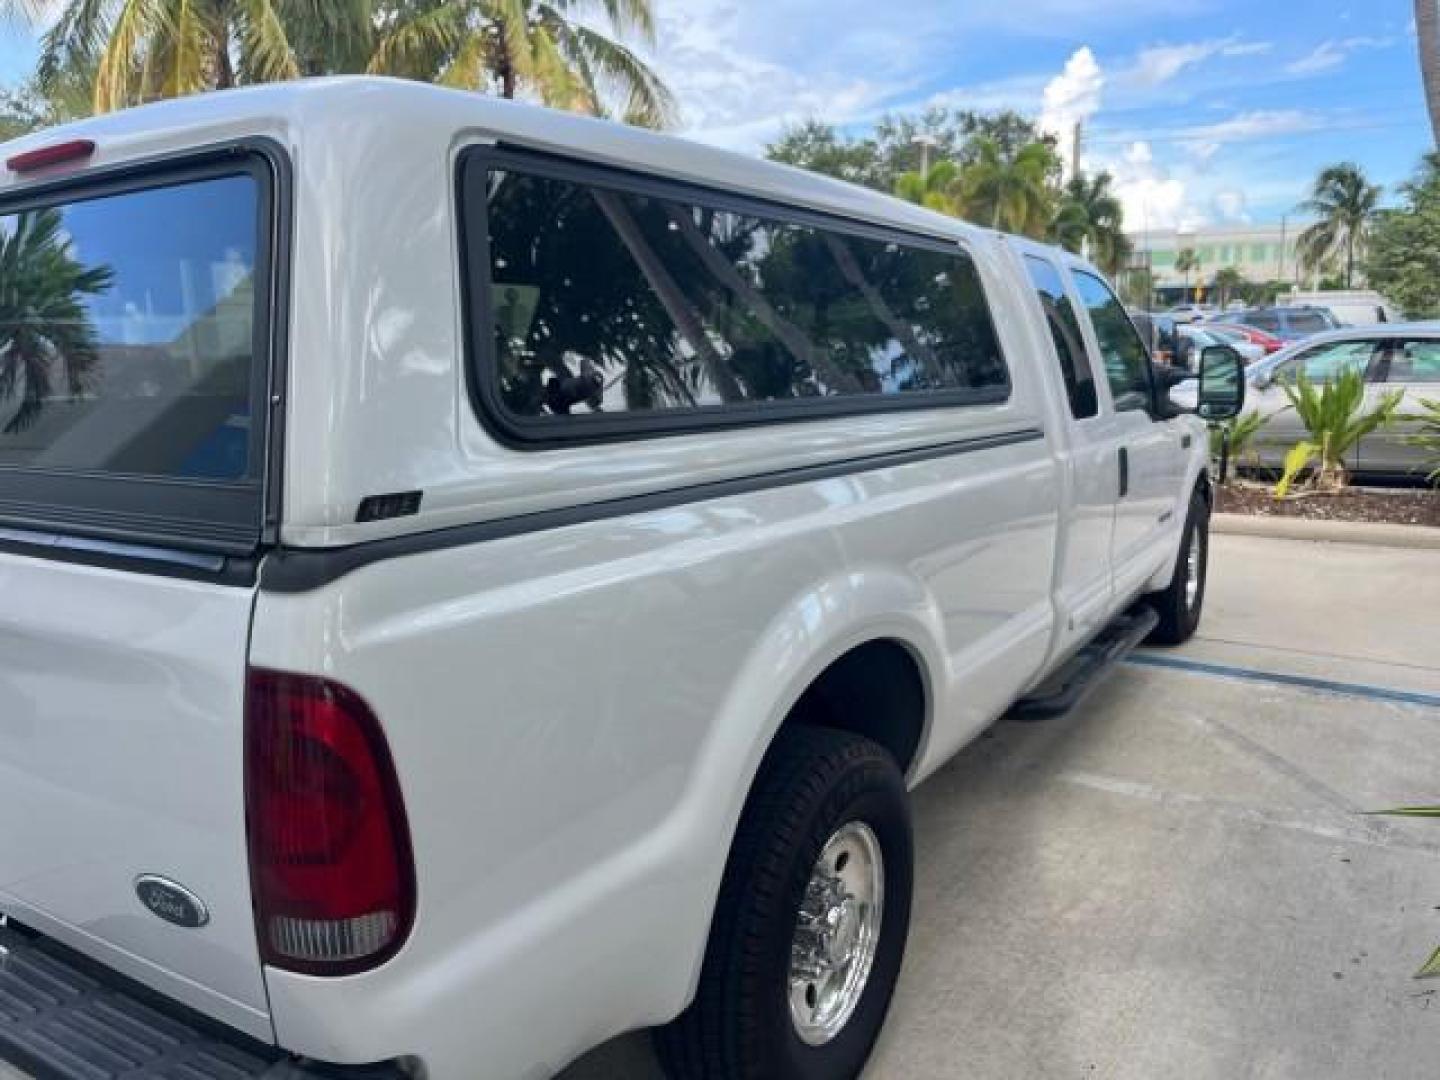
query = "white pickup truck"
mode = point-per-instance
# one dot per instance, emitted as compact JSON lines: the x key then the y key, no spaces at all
{"x":476,"y":580}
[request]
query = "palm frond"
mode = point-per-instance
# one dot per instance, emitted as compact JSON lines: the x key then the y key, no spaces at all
{"x":121,"y":62}
{"x":266,"y":54}
{"x":647,"y":100}
{"x":415,"y":46}
{"x":74,"y":44}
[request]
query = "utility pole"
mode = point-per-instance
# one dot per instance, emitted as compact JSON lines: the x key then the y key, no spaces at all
{"x":1284,"y":237}
{"x":1079,"y":139}
{"x":926,"y":141}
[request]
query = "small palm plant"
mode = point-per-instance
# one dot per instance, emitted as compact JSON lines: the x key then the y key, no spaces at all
{"x":1431,"y":968}
{"x":1334,"y":415}
{"x":1429,"y":437}
{"x":1235,"y":437}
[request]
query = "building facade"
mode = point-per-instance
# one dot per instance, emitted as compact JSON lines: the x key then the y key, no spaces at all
{"x":1261,"y":253}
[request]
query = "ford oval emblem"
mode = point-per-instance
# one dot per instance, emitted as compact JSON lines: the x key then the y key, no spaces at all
{"x":171,"y":902}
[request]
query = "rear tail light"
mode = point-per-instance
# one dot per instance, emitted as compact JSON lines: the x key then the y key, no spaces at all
{"x":54,"y":154}
{"x":330,"y":862}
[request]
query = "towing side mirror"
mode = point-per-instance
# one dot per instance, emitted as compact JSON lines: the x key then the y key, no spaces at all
{"x":1222,"y":383}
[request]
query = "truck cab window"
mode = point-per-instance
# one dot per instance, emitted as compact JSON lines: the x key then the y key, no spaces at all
{"x":1065,"y":332}
{"x":1126,"y":361}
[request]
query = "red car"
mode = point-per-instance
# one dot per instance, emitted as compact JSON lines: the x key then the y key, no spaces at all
{"x":1269,"y":342}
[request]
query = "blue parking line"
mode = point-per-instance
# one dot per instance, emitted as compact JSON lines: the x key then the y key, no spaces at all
{"x":1307,"y":682}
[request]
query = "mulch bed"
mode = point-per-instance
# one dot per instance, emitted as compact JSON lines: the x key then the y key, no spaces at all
{"x":1396,"y":506}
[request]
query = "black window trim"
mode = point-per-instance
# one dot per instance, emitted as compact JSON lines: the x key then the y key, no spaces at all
{"x":524,"y":433}
{"x":198,"y":516}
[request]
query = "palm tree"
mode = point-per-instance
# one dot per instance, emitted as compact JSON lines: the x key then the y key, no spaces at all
{"x":1186,"y":263}
{"x":140,"y":50}
{"x":43,"y":318}
{"x":933,"y":188}
{"x":1090,"y":214}
{"x":1227,"y":280}
{"x":1344,"y":203}
{"x":546,"y":48}
{"x":1011,"y":193}
{"x":1427,"y":29}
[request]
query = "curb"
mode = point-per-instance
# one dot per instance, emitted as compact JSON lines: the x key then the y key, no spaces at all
{"x":1335,"y":532}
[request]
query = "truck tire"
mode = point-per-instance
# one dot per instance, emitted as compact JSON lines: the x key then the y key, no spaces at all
{"x":816,"y":889}
{"x":1179,"y":604}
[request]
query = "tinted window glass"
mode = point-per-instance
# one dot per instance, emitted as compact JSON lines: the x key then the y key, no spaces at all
{"x":125,"y":333}
{"x":1308,"y":322}
{"x":1416,"y":361}
{"x":1127,"y":364}
{"x":1327,"y":361}
{"x":1262,"y":320}
{"x":605,"y":301}
{"x":1065,"y":332}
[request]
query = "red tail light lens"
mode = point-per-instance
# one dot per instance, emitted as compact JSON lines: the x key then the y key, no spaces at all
{"x":55,"y":154}
{"x":330,"y":861}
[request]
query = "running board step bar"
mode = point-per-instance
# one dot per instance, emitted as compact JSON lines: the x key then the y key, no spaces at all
{"x":1075,"y":678}
{"x":63,"y":1017}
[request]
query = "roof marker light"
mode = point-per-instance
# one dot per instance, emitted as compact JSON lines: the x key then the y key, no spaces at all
{"x":56,"y":154}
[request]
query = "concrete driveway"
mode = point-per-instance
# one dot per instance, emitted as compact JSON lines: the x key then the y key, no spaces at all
{"x":1175,"y":880}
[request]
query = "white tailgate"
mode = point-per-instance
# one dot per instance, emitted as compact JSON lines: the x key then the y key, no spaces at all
{"x":121,"y":724}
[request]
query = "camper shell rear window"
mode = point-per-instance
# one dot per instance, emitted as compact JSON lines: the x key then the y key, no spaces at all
{"x":135,"y":355}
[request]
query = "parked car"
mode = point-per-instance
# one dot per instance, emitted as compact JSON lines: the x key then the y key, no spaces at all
{"x":1351,"y":307}
{"x":511,"y":601}
{"x":1197,"y":337}
{"x":1189,"y":313}
{"x":1287,"y":323}
{"x":1267,"y":342}
{"x":1394,"y":356}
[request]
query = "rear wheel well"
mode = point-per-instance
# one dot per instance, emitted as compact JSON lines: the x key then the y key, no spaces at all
{"x":875,"y":690}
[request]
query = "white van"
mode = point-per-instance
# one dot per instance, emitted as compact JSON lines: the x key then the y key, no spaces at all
{"x":478,"y":580}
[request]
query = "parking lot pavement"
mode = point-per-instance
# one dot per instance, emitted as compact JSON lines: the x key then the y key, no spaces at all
{"x":1175,"y":879}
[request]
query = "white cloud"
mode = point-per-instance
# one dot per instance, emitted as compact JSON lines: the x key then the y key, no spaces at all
{"x":1324,"y":57}
{"x":1329,"y":55}
{"x":1230,"y":204}
{"x":1073,"y":96}
{"x":1259,"y":124}
{"x":740,"y":76}
{"x":1159,"y":64}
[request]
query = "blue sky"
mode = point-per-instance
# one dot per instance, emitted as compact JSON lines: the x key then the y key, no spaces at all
{"x":1206,"y":111}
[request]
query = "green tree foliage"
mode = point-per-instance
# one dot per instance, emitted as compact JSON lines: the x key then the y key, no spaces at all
{"x":1428,"y":437}
{"x":1088,"y":216}
{"x":1187,"y":261}
{"x":1343,"y":202}
{"x":901,"y":144}
{"x":1011,"y":192}
{"x":1335,"y":417}
{"x":819,"y":147}
{"x":45,"y":326}
{"x":1227,"y":283}
{"x":935,"y":188}
{"x":132,"y":51}
{"x":1404,"y":250}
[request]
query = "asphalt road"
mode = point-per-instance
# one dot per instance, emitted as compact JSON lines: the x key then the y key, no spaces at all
{"x":1175,"y":879}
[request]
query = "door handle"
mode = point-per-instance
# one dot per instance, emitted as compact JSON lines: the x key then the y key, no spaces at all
{"x":1124,"y":471}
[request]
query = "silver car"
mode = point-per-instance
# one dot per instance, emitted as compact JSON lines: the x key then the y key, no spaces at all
{"x":1393,"y":357}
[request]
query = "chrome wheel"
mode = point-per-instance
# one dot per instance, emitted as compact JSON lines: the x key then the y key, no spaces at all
{"x":837,"y":933}
{"x":1192,"y":571}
